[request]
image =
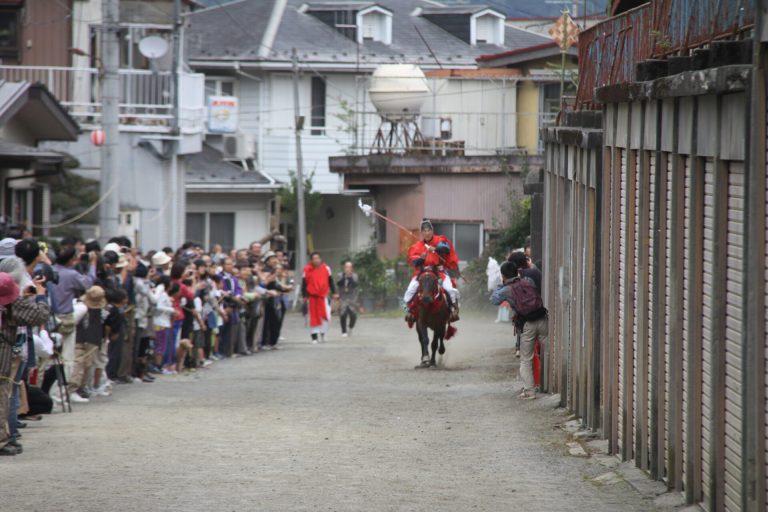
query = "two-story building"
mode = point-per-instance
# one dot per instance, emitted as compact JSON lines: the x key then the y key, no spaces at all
{"x":161,"y":111}
{"x":245,"y":50}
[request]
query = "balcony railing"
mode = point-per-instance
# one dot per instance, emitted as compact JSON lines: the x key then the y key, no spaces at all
{"x":146,"y":97}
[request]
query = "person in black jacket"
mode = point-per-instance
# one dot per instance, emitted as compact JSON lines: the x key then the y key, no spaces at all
{"x":268,"y":280}
{"x":348,"y":293}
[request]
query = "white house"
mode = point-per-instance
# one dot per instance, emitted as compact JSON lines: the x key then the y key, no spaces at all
{"x":245,"y":51}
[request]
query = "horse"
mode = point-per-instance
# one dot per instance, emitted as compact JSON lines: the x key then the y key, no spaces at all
{"x":432,"y":312}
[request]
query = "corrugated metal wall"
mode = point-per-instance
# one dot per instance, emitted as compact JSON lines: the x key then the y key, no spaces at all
{"x":670,"y":284}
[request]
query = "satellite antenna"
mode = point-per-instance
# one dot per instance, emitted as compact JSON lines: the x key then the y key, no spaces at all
{"x":153,"y":47}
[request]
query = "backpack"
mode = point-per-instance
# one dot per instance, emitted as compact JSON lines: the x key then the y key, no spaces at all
{"x":525,"y":297}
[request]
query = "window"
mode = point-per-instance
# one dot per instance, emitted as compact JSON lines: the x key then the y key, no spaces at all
{"x":208,"y":229}
{"x":381,"y":227}
{"x":219,"y":87}
{"x":196,"y":228}
{"x":318,"y":105}
{"x":344,"y":23}
{"x":9,"y":33}
{"x":465,"y":236}
{"x":221,"y":229}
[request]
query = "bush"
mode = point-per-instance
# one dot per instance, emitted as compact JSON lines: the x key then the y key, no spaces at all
{"x":475,"y":294}
{"x":382,"y":281}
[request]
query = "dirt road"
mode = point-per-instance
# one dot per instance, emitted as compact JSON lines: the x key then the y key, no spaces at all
{"x":347,"y":425}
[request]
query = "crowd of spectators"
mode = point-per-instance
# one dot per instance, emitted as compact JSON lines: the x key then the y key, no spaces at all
{"x":77,"y":321}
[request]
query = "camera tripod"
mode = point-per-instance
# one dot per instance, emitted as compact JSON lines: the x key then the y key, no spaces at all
{"x":61,"y":380}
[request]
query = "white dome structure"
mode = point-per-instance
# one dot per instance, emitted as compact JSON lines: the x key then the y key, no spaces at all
{"x":398,"y":91}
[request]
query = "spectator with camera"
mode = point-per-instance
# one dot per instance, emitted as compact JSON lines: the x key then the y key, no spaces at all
{"x":18,"y":311}
{"x":71,"y":284}
{"x":232,"y":298}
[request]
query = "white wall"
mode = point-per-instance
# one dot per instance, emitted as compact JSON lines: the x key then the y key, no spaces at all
{"x":348,"y":230}
{"x":272,"y":112}
{"x":144,"y":183}
{"x":482,"y":112}
{"x":251,"y":215}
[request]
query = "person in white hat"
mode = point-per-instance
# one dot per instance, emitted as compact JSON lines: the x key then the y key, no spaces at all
{"x":162,"y":262}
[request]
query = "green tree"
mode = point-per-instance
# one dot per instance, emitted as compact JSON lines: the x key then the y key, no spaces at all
{"x":313,"y":201}
{"x":518,"y":215}
{"x":71,"y":198}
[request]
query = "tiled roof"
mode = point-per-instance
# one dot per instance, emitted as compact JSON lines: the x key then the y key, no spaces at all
{"x":208,"y":168}
{"x":235,"y":31}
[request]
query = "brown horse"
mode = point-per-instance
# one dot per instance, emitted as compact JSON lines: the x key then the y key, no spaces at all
{"x":433,"y":312}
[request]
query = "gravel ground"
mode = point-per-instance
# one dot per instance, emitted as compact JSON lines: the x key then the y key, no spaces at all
{"x":346,"y":425}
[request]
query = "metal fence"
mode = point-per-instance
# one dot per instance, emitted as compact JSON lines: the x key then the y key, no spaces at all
{"x":146,"y":97}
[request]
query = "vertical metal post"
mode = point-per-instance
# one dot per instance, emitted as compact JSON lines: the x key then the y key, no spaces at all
{"x":177,"y":188}
{"x":301,"y":243}
{"x":109,"y":210}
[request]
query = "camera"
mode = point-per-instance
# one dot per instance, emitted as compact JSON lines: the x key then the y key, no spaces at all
{"x":46,"y":271}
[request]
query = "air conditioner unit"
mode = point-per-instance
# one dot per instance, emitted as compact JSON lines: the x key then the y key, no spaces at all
{"x":238,"y":146}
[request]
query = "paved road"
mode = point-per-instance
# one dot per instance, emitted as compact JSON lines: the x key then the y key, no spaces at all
{"x":347,"y":426}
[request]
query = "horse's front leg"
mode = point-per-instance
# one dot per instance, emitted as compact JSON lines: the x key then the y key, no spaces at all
{"x":436,"y":342}
{"x":421,"y":329}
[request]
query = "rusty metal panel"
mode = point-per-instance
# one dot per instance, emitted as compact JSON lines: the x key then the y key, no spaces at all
{"x":684,"y":24}
{"x":609,"y":51}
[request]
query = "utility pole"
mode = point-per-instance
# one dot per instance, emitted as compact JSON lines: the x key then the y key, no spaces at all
{"x":109,"y":210}
{"x":301,"y":242}
{"x":178,"y":194}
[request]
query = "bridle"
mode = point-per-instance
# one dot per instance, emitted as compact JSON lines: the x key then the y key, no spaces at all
{"x":431,"y":273}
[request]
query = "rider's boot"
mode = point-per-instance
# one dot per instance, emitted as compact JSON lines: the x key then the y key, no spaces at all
{"x":408,"y":315}
{"x":454,"y":312}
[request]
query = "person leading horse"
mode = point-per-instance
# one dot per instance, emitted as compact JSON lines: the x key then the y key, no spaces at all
{"x":433,"y":251}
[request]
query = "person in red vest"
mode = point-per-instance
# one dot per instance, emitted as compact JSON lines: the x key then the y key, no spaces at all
{"x":316,"y":282}
{"x":433,"y":250}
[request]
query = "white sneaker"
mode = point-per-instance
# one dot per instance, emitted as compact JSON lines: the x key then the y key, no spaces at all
{"x":75,"y":397}
{"x":314,"y":342}
{"x":103,"y":390}
{"x":344,"y":335}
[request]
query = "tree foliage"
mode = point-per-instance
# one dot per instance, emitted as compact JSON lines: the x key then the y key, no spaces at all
{"x":72,"y":197}
{"x":313,"y":200}
{"x":512,"y":237}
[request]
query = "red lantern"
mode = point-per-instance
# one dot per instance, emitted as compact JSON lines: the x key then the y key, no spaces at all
{"x":97,"y":137}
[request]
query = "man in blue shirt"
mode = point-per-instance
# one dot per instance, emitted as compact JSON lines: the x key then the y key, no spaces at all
{"x":72,"y":284}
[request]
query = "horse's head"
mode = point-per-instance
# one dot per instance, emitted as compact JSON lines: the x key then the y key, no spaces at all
{"x":428,"y":285}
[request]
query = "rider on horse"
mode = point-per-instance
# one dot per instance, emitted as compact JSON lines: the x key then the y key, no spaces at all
{"x":433,"y":251}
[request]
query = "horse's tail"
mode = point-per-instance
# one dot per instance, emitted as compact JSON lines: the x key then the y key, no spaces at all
{"x":450,"y":332}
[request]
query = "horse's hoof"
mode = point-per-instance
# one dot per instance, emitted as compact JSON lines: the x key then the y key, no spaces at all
{"x":433,"y":364}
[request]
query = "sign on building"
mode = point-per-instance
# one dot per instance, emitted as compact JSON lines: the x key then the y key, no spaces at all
{"x":222,"y":114}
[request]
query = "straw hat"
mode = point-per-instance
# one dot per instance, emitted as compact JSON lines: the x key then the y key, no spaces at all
{"x":95,"y":298}
{"x":160,"y":258}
